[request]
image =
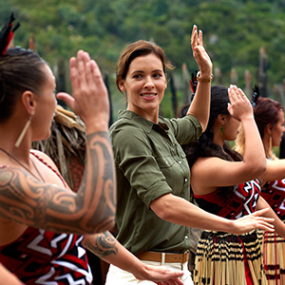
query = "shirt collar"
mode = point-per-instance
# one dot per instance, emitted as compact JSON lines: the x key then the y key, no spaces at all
{"x":141,"y":122}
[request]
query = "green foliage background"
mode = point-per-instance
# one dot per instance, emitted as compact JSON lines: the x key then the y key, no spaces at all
{"x":234,"y":31}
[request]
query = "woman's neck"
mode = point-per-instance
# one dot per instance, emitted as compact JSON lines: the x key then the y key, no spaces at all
{"x":7,"y":142}
{"x":218,"y":140}
{"x":266,"y":145}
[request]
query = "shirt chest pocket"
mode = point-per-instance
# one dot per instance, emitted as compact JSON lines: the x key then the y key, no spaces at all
{"x":175,"y":171}
{"x":165,"y":161}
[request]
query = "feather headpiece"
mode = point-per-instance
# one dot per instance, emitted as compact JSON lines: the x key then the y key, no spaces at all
{"x":255,"y":95}
{"x":7,"y":34}
{"x":193,"y":82}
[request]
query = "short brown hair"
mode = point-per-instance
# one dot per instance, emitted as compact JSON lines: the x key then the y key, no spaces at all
{"x":134,"y":50}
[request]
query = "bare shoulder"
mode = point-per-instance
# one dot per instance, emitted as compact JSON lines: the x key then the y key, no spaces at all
{"x":202,"y":173}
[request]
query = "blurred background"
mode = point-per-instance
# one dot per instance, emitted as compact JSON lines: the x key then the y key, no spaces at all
{"x":245,"y":39}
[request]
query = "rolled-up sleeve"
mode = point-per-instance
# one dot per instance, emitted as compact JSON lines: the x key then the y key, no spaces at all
{"x":187,"y":129}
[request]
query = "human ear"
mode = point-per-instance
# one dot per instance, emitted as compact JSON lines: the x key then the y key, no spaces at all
{"x":221,"y":119}
{"x":29,"y":102}
{"x":166,"y":78}
{"x":121,"y":84}
{"x":268,"y":129}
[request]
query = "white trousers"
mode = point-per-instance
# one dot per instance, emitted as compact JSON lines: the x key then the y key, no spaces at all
{"x":117,"y":276}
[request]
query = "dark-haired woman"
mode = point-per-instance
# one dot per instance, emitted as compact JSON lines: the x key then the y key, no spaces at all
{"x":269,"y":117}
{"x":225,"y":184}
{"x":154,"y":213}
{"x":33,"y":195}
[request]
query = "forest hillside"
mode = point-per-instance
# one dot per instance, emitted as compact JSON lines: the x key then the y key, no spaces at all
{"x":242,"y":37}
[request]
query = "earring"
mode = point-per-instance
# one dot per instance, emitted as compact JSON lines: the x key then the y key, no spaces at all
{"x":270,"y":143}
{"x":222,"y":130}
{"x":22,"y":134}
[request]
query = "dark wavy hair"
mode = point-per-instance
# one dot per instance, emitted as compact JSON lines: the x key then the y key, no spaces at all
{"x":20,"y":70}
{"x":266,"y":111}
{"x":205,"y":146}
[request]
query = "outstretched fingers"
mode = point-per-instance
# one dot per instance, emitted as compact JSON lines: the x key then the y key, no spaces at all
{"x":96,"y":75}
{"x":233,"y":96}
{"x":73,"y":73}
{"x":265,"y":226}
{"x":239,"y":104}
{"x":201,"y":56}
{"x":236,"y":94}
{"x":263,"y":223}
{"x":200,"y":38}
{"x":163,"y":276}
{"x":254,"y":221}
{"x":90,"y":98}
{"x":87,"y":69}
{"x":194,"y":37}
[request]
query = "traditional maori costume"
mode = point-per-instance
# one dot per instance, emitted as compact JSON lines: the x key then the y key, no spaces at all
{"x":224,"y":258}
{"x":274,"y":245}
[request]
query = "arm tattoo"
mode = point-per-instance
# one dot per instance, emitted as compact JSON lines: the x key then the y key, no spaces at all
{"x":103,"y":245}
{"x":92,"y":209}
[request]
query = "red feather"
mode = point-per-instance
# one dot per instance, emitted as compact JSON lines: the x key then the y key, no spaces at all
{"x":7,"y":34}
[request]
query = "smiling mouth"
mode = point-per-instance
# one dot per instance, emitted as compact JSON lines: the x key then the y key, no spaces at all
{"x":148,"y":95}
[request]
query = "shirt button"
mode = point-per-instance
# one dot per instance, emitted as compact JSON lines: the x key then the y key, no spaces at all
{"x":185,"y":180}
{"x":179,"y":162}
{"x":186,"y":237}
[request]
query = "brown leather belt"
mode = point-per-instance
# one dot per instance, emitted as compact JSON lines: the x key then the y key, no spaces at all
{"x":164,"y":257}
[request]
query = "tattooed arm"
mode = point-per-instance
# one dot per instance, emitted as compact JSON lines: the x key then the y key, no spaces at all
{"x":106,"y":247}
{"x":25,"y":200}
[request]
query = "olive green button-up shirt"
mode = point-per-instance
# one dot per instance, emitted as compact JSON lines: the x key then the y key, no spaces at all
{"x":150,"y":163}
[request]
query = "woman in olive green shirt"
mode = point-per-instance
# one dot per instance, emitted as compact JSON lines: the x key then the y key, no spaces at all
{"x":154,"y":213}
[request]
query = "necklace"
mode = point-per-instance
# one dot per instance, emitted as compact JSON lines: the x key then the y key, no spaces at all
{"x":25,"y":167}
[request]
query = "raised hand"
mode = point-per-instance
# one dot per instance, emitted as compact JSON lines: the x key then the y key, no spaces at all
{"x":90,"y":97}
{"x":201,"y":56}
{"x":240,"y":106}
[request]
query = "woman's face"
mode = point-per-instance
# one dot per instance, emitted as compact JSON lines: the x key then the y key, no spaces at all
{"x":278,"y":130}
{"x":46,"y":104}
{"x":145,"y":84}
